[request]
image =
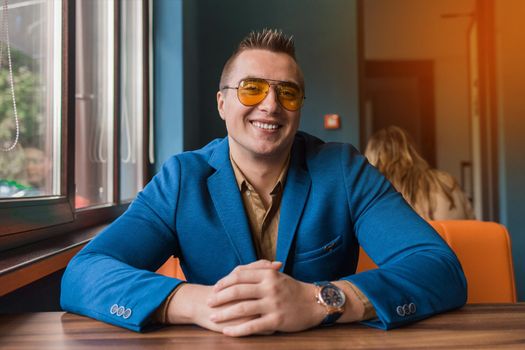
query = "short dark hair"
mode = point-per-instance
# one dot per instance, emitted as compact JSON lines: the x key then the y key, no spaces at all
{"x":268,"y":39}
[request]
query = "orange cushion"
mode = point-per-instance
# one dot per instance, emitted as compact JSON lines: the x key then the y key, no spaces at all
{"x":484,"y":251}
{"x":171,"y":268}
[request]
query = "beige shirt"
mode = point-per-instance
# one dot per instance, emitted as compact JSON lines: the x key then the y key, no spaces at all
{"x":264,"y":221}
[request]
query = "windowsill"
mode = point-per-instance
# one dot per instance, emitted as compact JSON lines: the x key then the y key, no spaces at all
{"x":26,"y":264}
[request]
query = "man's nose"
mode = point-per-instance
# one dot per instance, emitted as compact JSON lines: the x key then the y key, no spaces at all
{"x":270,"y":104}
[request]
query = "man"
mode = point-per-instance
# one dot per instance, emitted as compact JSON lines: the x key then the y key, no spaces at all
{"x":38,"y":168}
{"x":262,"y":221}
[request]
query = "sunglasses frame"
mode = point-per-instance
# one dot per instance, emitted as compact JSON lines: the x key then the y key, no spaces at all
{"x":270,"y":83}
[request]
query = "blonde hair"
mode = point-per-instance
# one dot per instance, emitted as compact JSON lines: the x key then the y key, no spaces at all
{"x":393,"y":153}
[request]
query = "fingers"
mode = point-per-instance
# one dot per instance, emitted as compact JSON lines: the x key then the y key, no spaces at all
{"x":247,"y":274}
{"x":236,"y":292}
{"x":239,"y":310}
{"x":260,"y":264}
{"x":261,"y":325}
{"x":239,"y":277}
{"x":237,"y":299}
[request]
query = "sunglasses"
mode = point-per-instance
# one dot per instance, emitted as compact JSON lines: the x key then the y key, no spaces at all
{"x":252,"y":91}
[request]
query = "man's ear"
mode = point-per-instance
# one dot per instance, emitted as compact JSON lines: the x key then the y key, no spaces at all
{"x":220,"y":104}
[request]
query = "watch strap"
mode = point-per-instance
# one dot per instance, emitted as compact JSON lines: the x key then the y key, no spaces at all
{"x":332,"y":317}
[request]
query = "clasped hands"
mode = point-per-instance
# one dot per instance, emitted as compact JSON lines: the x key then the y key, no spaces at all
{"x":252,"y":299}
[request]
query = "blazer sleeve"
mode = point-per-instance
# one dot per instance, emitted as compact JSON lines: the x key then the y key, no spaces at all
{"x":418,"y":274}
{"x":112,"y":279}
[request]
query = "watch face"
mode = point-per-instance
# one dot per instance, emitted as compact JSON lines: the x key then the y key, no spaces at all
{"x":332,"y":296}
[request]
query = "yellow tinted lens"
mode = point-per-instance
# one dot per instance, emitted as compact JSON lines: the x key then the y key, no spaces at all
{"x":252,"y":91}
{"x":290,"y":96}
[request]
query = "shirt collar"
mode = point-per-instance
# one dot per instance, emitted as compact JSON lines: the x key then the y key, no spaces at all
{"x":243,"y":183}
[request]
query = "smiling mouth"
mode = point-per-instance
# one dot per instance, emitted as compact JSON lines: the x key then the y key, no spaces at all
{"x":265,"y":126}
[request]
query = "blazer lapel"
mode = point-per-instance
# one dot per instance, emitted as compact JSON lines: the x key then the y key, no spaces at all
{"x":228,"y":203}
{"x":296,"y":191}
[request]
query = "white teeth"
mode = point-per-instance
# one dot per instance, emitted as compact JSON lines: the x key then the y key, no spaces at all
{"x":265,"y":126}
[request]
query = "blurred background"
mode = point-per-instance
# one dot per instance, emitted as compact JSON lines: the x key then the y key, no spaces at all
{"x":448,"y":71}
{"x":96,"y":94}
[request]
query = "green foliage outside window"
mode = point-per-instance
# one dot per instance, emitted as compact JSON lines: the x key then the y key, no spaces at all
{"x":28,"y":100}
{"x":28,"y":93}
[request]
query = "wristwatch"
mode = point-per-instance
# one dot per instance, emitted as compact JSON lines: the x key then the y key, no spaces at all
{"x":332,"y":298}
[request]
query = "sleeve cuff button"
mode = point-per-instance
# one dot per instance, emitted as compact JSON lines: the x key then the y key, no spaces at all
{"x":400,"y":311}
{"x":127,"y":313}
{"x":120,"y":311}
{"x":412,"y":308}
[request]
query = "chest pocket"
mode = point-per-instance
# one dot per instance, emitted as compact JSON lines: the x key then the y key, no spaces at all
{"x":326,"y":249}
{"x":324,"y":263}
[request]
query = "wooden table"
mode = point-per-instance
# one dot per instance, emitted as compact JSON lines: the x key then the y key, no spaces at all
{"x":474,"y":326}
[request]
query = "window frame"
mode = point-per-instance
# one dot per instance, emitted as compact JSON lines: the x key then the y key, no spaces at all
{"x":56,"y":215}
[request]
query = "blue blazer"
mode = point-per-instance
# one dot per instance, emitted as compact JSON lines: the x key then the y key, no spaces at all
{"x":333,"y":201}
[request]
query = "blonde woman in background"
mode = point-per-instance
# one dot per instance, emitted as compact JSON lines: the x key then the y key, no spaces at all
{"x":434,"y":194}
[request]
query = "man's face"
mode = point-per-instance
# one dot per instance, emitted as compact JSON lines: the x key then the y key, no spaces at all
{"x":265,"y":130}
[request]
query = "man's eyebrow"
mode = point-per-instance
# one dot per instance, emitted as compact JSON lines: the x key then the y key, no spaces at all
{"x":280,"y":81}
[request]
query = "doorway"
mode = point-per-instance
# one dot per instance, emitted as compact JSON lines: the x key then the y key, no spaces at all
{"x":428,"y":66}
{"x":401,"y":93}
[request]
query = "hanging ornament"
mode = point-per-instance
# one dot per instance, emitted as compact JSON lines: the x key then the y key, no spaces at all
{"x":4,"y":42}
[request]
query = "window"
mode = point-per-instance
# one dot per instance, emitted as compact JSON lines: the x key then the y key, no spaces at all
{"x":30,"y":98}
{"x":131,"y":99}
{"x":81,"y":84}
{"x":94,"y":96}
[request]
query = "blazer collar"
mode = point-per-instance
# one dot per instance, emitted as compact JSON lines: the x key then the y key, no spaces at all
{"x":228,"y":203}
{"x":296,"y":190}
{"x":227,"y":200}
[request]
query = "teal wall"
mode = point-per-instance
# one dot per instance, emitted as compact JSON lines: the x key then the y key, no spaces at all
{"x":512,"y":178}
{"x":326,"y":40}
{"x":510,"y":71}
{"x":513,"y":185}
{"x":168,"y":79}
{"x":193,"y":40}
{"x":194,"y":123}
